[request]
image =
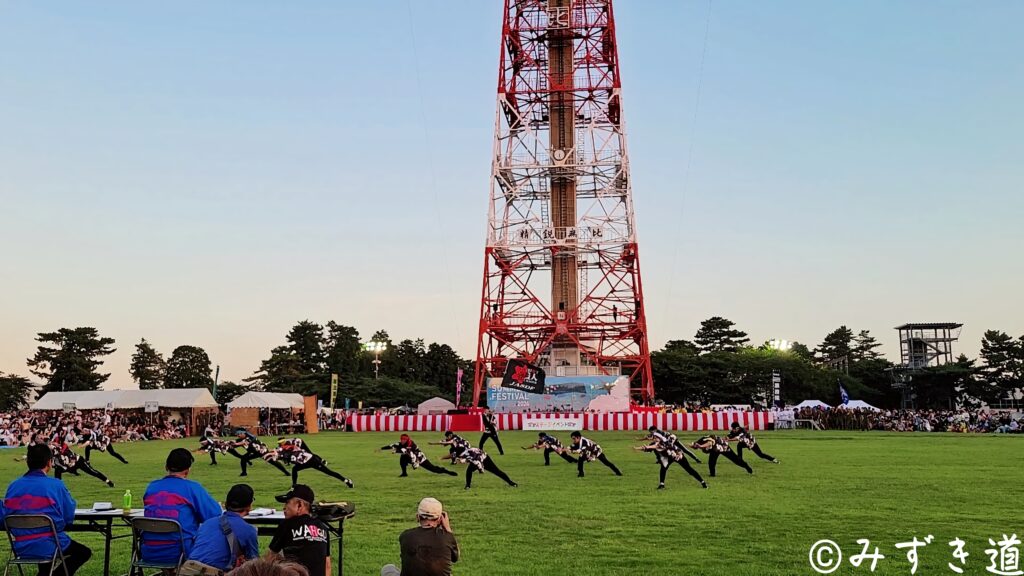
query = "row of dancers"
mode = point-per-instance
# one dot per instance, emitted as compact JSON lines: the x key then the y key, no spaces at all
{"x":667,"y":448}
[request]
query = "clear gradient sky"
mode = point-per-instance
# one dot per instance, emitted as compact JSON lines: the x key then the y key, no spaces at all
{"x":210,"y":173}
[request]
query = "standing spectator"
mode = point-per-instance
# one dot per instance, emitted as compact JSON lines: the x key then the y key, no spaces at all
{"x":36,"y":493}
{"x":301,"y":538}
{"x":175,"y":497}
{"x":430,"y":549}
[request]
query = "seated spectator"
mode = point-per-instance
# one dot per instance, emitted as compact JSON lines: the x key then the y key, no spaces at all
{"x":175,"y":497}
{"x":429,"y":549}
{"x":36,"y":493}
{"x":228,"y":540}
{"x":301,"y":538}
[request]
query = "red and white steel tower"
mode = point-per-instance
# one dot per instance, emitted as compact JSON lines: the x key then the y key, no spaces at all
{"x":561,"y":281}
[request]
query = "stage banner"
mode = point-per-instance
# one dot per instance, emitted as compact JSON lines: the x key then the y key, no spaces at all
{"x":551,"y":423}
{"x":563,"y":394}
{"x":524,"y":377}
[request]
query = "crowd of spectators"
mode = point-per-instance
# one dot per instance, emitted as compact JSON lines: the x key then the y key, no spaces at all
{"x":18,"y":427}
{"x":962,"y":420}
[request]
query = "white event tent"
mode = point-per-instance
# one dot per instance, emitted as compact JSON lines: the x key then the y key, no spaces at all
{"x":435,"y":405}
{"x":272,"y":400}
{"x":812,"y":404}
{"x":127,"y":399}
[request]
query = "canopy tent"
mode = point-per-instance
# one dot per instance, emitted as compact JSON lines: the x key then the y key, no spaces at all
{"x":273,"y":400}
{"x":127,"y":399}
{"x":435,"y":405}
{"x":860,"y":404}
{"x":812,"y":404}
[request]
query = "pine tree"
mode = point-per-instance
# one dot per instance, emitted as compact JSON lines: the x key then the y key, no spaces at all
{"x":147,"y":367}
{"x":717,"y":334}
{"x":71,"y":364}
{"x":864,"y":347}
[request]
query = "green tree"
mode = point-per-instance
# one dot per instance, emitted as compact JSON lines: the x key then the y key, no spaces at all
{"x":717,"y":334}
{"x":343,"y":351}
{"x":802,"y":351}
{"x":836,"y":347}
{"x":279,"y":373}
{"x":306,"y":341}
{"x":948,"y":385}
{"x":1003,"y":361}
{"x":684,"y":346}
{"x":188,"y":367}
{"x":864,"y":347}
{"x":15,"y":392}
{"x":71,"y":363}
{"x":228,"y":391}
{"x":148,"y":366}
{"x":441,"y":364}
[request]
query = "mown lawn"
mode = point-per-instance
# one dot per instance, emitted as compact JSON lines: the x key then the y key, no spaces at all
{"x":841,"y":486}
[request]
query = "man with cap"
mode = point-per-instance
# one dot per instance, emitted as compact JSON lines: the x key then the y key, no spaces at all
{"x":175,"y":497}
{"x":36,"y":493}
{"x":430,"y":549}
{"x":301,"y":538}
{"x":228,"y":540}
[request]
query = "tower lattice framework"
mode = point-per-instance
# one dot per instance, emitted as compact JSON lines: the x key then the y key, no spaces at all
{"x":561,"y":279}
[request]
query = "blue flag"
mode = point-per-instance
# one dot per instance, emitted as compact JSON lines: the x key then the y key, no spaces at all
{"x":843,"y":395}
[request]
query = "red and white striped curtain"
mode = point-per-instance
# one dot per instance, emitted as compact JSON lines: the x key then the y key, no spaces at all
{"x":407,"y":423}
{"x":608,"y":421}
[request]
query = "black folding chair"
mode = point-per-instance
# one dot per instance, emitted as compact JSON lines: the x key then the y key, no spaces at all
{"x":34,"y":522}
{"x":163,"y":527}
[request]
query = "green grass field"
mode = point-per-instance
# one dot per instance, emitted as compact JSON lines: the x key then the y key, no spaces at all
{"x":840,"y":486}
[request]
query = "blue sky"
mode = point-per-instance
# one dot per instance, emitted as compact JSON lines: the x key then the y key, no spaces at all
{"x":211,"y":173}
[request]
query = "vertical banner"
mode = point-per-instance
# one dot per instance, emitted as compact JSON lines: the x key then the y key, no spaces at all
{"x":458,"y":388}
{"x":334,"y":389}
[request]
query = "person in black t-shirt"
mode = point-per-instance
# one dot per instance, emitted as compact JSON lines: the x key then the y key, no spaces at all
{"x":743,"y":438}
{"x":301,"y":537}
{"x":490,"y":431}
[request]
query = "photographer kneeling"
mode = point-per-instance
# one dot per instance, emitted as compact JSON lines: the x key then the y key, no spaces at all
{"x":429,"y":549}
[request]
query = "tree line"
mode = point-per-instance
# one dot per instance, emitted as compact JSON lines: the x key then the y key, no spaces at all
{"x":718,"y":366}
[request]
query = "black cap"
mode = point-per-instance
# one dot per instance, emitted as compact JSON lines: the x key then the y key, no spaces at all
{"x":540,"y":434}
{"x":576,"y":434}
{"x":300,"y":491}
{"x":735,"y":425}
{"x":240,"y":496}
{"x":179,"y":460}
{"x":448,"y":434}
{"x":652,"y":428}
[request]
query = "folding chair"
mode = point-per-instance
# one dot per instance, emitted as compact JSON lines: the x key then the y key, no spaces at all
{"x":164,"y":527}
{"x":34,"y":522}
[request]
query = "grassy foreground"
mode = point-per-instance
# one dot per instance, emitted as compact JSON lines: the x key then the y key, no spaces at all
{"x":841,"y":486}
